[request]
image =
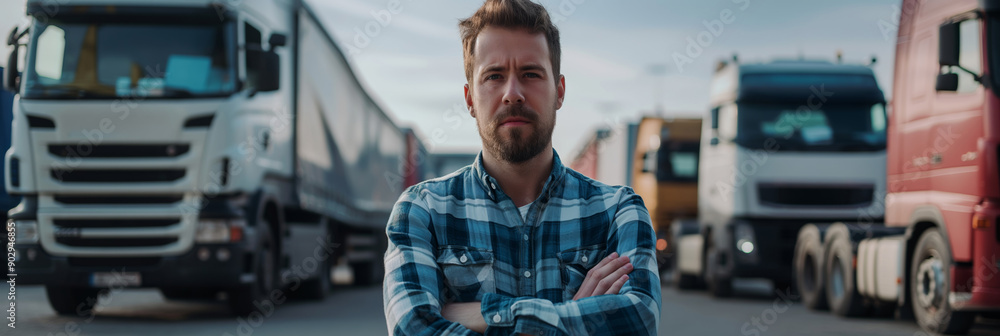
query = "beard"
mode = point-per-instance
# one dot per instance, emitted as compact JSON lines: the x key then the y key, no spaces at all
{"x":514,"y":147}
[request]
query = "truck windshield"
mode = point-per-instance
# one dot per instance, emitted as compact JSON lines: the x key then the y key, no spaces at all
{"x":677,"y":162}
{"x":841,"y":127}
{"x":108,"y":59}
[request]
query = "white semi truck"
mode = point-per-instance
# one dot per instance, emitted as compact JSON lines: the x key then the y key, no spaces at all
{"x":785,"y":143}
{"x":196,"y":146}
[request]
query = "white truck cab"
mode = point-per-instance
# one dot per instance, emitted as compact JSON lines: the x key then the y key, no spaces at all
{"x":784,"y":144}
{"x":196,"y":146}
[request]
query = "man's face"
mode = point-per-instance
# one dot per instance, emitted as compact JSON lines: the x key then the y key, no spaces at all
{"x":513,"y":95}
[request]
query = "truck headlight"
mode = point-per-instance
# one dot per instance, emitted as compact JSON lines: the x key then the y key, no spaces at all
{"x":745,"y":239}
{"x":26,"y":231}
{"x":212,"y":231}
{"x":219,"y":230}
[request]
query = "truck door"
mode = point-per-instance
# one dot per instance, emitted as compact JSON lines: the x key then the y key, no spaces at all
{"x":955,"y":128}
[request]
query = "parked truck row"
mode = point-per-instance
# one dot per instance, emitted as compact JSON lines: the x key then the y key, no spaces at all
{"x":804,"y":179}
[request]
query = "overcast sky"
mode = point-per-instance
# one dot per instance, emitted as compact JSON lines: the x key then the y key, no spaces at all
{"x":611,"y":52}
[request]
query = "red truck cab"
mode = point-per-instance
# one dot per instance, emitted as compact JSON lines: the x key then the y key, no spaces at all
{"x":943,"y":156}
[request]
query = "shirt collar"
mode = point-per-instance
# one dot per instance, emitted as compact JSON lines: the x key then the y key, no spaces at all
{"x":490,"y":185}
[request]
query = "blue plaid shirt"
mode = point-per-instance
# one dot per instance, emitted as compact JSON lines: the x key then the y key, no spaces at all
{"x":459,"y":238}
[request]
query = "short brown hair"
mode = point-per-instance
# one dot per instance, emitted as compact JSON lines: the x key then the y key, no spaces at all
{"x":509,"y":14}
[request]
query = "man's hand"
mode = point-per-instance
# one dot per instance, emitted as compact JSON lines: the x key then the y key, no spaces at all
{"x":607,"y":277}
{"x":468,"y":314}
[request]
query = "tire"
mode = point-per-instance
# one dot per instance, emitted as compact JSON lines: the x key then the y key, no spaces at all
{"x":930,"y":282}
{"x":72,"y":301}
{"x":242,"y":299}
{"x":719,"y":286}
{"x":808,"y":268}
{"x":841,"y":286}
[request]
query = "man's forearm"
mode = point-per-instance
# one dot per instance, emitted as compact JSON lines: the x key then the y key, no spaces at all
{"x":468,"y":314}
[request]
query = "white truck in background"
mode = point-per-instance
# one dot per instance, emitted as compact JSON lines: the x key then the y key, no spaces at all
{"x":785,"y":143}
{"x":195,"y":146}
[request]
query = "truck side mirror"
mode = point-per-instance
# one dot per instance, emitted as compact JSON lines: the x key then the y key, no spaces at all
{"x":269,"y":65}
{"x":947,"y":82}
{"x":11,"y":77}
{"x":269,"y":78}
{"x":277,"y":40}
{"x":715,"y":118}
{"x":948,"y":44}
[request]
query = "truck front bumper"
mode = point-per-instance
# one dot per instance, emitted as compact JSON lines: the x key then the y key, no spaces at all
{"x":772,"y":249}
{"x":224,"y":266}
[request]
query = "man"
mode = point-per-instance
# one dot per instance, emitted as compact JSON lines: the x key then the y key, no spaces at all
{"x":517,"y":243}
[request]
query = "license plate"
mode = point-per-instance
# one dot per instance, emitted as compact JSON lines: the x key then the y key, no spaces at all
{"x":115,"y":279}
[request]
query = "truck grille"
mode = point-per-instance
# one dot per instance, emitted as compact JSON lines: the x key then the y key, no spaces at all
{"x":791,"y":195}
{"x":114,"y":223}
{"x":114,"y":242}
{"x":117,"y":176}
{"x":119,"y":151}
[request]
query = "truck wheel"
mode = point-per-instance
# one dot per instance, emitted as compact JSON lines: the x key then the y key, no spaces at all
{"x":841,"y":288}
{"x":930,"y":285}
{"x":73,"y":301}
{"x":242,"y":300}
{"x":718,"y":285}
{"x":808,"y":263}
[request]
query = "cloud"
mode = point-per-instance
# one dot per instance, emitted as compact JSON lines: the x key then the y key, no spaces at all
{"x":584,"y":63}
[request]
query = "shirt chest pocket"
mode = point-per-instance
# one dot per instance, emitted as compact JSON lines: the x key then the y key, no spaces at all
{"x":574,"y":264}
{"x":468,"y":272}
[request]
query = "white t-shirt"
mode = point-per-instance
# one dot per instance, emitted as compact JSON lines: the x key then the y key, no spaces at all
{"x":524,"y":211}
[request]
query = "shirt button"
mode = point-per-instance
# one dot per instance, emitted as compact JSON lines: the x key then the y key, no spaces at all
{"x":494,"y":186}
{"x":496,"y":318}
{"x":527,"y":274}
{"x":525,"y":237}
{"x":584,"y":259}
{"x":463,"y":259}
